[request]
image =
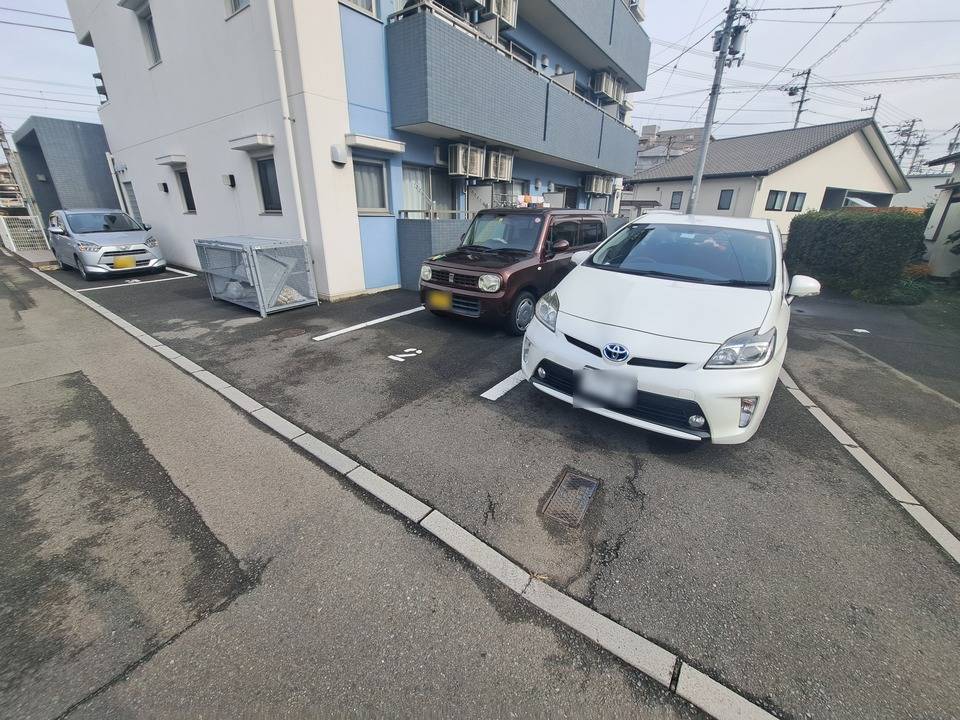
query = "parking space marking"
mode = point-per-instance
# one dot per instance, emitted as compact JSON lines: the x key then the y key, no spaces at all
{"x":408,"y":353}
{"x":631,"y":647}
{"x":937,"y":531}
{"x":383,"y":319}
{"x":181,"y":272}
{"x":181,"y":276}
{"x":503,"y":387}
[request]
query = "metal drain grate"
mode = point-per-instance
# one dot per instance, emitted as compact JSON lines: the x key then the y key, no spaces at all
{"x":569,"y":502}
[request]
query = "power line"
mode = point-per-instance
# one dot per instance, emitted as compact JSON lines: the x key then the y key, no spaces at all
{"x":40,"y":82}
{"x":857,"y":22}
{"x":778,"y":72}
{"x":688,"y":49}
{"x":836,"y":6}
{"x":33,"y":12}
{"x":853,"y":32}
{"x":38,"y":27}
{"x":34,"y":97}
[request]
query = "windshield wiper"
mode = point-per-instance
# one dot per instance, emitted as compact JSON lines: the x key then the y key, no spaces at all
{"x":666,"y":275}
{"x":476,"y":247}
{"x":743,"y":283}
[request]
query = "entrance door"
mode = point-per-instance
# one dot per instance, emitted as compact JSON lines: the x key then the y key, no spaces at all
{"x":479,"y":197}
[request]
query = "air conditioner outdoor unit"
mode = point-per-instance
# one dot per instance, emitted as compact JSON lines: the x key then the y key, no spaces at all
{"x":465,"y":160}
{"x":606,"y":84}
{"x":598,"y":185}
{"x":499,"y":166}
{"x":506,"y":10}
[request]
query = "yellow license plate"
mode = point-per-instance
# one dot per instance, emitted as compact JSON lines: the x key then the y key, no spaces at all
{"x":123,"y":262}
{"x":439,"y":300}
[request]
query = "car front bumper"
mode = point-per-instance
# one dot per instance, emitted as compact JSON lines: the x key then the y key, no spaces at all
{"x":666,"y":397}
{"x":489,"y":307}
{"x":101,"y":261}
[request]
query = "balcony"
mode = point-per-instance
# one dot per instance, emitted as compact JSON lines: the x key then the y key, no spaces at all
{"x":599,"y":33}
{"x":449,"y":81}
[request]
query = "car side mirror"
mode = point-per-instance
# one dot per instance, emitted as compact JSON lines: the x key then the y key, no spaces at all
{"x":55,"y":230}
{"x":560,"y":246}
{"x":147,"y":227}
{"x":803,"y":286}
{"x":579,"y":257}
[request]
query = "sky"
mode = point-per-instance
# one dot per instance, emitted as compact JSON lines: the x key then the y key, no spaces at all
{"x":883,"y":48}
{"x":53,"y":67}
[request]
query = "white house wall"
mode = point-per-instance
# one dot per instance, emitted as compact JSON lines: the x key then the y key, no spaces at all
{"x":708,"y":199}
{"x":849,"y":163}
{"x":217,"y":81}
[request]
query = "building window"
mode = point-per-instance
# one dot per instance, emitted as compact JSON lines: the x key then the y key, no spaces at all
{"x":149,"y":34}
{"x":186,"y":191}
{"x":795,"y":204}
{"x":371,"y":180}
{"x":236,"y":6}
{"x":269,"y":187}
{"x":676,"y":199}
{"x":369,"y":6}
{"x":776,"y":199}
{"x":726,"y":200}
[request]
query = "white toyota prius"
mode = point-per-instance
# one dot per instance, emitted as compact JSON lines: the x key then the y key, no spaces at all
{"x":676,"y":324}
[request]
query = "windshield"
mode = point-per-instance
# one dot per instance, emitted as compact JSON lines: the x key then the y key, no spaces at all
{"x":504,"y":232}
{"x":95,"y":222}
{"x":692,"y":253}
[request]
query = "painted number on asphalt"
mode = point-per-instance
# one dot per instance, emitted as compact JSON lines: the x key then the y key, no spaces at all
{"x":408,"y":353}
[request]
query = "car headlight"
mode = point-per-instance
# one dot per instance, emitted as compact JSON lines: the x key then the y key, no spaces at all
{"x":489,"y":283}
{"x":150,"y":242}
{"x":87,"y":247}
{"x":548,"y":307}
{"x":745,"y":350}
{"x":425,"y":272}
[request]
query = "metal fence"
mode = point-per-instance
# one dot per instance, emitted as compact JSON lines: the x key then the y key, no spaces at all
{"x":262,"y":274}
{"x":20,"y":234}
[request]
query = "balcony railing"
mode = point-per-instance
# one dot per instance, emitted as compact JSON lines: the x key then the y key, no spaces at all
{"x":508,"y":101}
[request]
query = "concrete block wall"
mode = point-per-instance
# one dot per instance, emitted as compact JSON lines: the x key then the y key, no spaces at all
{"x":420,"y":239}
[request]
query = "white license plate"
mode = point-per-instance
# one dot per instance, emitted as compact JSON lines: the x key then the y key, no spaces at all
{"x":607,"y":387}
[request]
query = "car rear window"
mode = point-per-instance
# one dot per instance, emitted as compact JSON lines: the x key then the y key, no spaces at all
{"x":692,"y":253}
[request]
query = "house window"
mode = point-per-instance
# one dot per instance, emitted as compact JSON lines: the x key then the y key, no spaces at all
{"x":186,"y":191}
{"x":269,"y":187}
{"x":676,"y":199}
{"x":369,"y":6}
{"x":795,"y":204}
{"x":145,"y":16}
{"x":236,"y":6}
{"x":776,"y":199}
{"x":370,"y":177}
{"x":726,"y":200}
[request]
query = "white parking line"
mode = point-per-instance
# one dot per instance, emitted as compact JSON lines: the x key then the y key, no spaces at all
{"x":182,"y":276}
{"x":933,"y":527}
{"x":383,"y":319}
{"x":503,"y":387}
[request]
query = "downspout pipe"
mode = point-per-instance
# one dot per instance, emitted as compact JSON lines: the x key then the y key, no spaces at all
{"x":287,"y":122}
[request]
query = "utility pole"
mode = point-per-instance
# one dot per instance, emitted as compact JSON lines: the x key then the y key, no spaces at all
{"x":876,"y":105}
{"x":914,"y":165}
{"x":803,"y":94}
{"x":905,"y":131}
{"x":955,"y":143}
{"x":725,"y":38}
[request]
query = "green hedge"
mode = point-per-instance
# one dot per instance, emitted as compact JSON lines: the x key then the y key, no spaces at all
{"x":852,"y":249}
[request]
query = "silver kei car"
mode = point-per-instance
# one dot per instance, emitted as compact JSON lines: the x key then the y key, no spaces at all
{"x":101,"y":242}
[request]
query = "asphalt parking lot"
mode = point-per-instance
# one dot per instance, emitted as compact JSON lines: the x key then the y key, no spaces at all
{"x":779,"y":567}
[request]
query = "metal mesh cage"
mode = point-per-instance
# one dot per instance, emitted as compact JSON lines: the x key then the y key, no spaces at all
{"x":258,"y":273}
{"x":21,"y":234}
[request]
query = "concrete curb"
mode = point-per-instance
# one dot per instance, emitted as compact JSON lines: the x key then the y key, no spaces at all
{"x":637,"y":651}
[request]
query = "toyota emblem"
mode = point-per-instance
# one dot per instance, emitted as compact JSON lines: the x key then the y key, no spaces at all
{"x":615,"y":352}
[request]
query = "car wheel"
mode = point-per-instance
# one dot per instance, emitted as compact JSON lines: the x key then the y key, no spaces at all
{"x":521,"y":313}
{"x":80,"y":268}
